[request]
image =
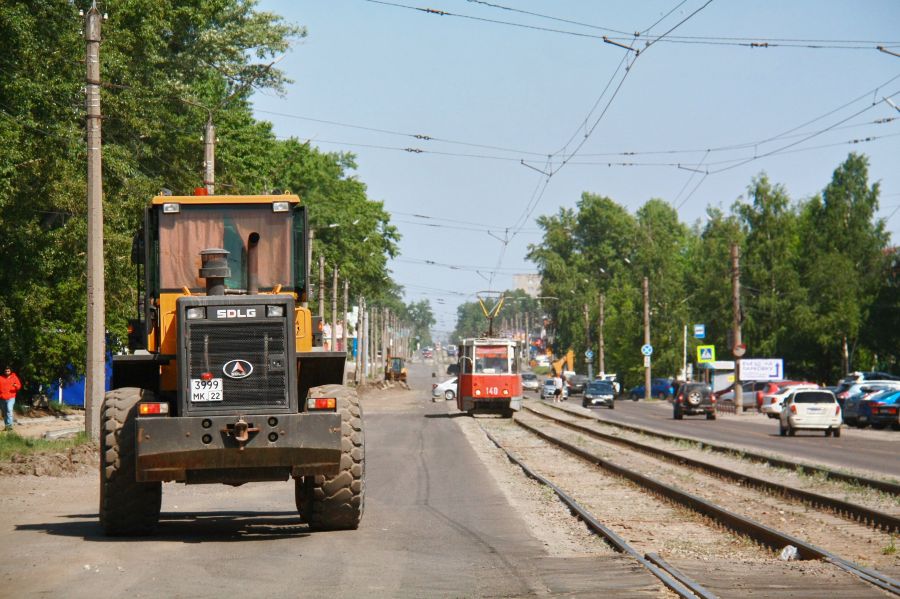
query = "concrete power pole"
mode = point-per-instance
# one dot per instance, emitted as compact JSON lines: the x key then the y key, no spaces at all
{"x":602,"y":344}
{"x":736,"y":309}
{"x":587,"y":333}
{"x":322,"y":287}
{"x":209,"y":156}
{"x":344,"y":316}
{"x":647,"y":336}
{"x":95,"y":375}
{"x":334,"y":318}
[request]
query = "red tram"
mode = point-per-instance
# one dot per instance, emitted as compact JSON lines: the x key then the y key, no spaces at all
{"x":488,"y":380}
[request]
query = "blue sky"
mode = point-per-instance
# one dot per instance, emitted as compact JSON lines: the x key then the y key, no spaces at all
{"x":492,"y":95}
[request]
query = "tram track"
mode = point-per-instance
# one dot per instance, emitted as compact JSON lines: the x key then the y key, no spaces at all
{"x":885,"y":486}
{"x":729,"y":519}
{"x":865,"y":515}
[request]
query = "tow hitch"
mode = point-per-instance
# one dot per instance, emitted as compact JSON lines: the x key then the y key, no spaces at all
{"x":240,"y":431}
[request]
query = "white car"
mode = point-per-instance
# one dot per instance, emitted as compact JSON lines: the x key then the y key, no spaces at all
{"x":447,"y":389}
{"x":810,"y":409}
{"x":530,"y":381}
{"x":772,"y":402}
{"x":548,"y":389}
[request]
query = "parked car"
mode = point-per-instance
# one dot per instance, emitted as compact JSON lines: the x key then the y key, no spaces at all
{"x":447,"y":389}
{"x":857,"y":393}
{"x":810,"y":409}
{"x":530,"y":381}
{"x":599,"y":393}
{"x":659,"y":388}
{"x":692,"y":399}
{"x":880,"y":409}
{"x":577,"y":383}
{"x":548,"y":389}
{"x":851,"y":389}
{"x":773,"y":402}
{"x":873,"y":375}
{"x":749,"y":400}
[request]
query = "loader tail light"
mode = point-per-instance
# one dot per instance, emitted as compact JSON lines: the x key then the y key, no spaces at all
{"x":153,"y":408}
{"x":206,"y":376}
{"x":321,"y":403}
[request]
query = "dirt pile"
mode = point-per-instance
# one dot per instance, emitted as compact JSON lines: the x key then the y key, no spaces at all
{"x":73,"y":461}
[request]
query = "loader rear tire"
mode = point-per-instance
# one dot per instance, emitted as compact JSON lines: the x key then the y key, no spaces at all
{"x":127,"y":507}
{"x":337,"y":502}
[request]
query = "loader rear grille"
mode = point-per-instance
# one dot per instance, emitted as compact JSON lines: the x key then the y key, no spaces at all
{"x":260,"y":343}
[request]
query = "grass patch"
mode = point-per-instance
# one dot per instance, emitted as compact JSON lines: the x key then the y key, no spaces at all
{"x":12,"y":444}
{"x":890,"y":548}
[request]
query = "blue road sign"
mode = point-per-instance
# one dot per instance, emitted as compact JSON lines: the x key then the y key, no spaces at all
{"x":699,"y":331}
{"x":589,"y":355}
{"x":647,"y":349}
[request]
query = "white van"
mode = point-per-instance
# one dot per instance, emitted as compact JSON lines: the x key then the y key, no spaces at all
{"x":810,"y":409}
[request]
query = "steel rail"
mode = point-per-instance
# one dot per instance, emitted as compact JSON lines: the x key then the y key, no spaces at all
{"x":770,"y":537}
{"x":808,"y":469}
{"x":865,"y":515}
{"x":668,"y":575}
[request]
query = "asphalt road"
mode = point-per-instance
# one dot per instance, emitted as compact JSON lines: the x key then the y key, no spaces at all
{"x":857,"y":450}
{"x":435,"y":525}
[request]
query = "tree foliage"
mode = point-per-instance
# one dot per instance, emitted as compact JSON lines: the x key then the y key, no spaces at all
{"x":167,"y":67}
{"x":814,"y":273}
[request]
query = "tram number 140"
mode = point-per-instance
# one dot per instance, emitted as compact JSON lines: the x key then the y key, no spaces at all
{"x":492,"y":390}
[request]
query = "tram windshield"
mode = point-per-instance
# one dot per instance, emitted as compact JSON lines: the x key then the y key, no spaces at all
{"x":491,"y":359}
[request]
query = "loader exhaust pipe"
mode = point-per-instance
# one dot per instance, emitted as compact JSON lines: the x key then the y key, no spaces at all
{"x":253,"y":264}
{"x":214,"y":268}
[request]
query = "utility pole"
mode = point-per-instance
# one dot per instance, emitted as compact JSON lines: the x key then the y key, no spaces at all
{"x":360,"y":341}
{"x":95,"y":375}
{"x":322,"y":287}
{"x":684,"y":354}
{"x":385,"y":316}
{"x":647,"y":337}
{"x":736,"y":309}
{"x":601,"y":342}
{"x":209,"y":156}
{"x":345,"y":328}
{"x":308,"y":281}
{"x":587,"y":332}
{"x":334,"y":320}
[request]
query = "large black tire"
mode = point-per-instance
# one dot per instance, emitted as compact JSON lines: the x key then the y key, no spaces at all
{"x":612,"y":405}
{"x":710,"y":415}
{"x":677,"y":415}
{"x":781,"y":430}
{"x":127,"y":507}
{"x":337,"y":502}
{"x":836,"y":432}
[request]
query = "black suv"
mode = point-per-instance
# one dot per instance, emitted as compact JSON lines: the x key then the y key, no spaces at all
{"x":599,"y":393}
{"x":694,"y":398}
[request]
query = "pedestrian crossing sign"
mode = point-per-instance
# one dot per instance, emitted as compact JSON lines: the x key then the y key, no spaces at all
{"x":706,"y":354}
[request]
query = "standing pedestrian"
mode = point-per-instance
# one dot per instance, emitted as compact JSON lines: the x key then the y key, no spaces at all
{"x":557,"y":388}
{"x":9,"y":386}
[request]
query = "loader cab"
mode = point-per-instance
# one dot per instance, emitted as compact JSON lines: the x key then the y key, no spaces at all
{"x":178,"y":228}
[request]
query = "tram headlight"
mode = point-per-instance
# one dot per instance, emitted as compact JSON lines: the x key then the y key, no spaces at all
{"x":477,"y":392}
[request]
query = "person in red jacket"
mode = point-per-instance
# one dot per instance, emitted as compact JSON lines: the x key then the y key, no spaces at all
{"x":9,"y":386}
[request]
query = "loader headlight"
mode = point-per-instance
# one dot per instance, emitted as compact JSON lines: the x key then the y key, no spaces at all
{"x":194,"y":313}
{"x":274,"y":311}
{"x":171,"y":208}
{"x":280,"y":206}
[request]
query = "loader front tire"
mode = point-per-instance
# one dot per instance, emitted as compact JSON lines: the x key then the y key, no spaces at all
{"x":337,"y":502}
{"x":127,"y":507}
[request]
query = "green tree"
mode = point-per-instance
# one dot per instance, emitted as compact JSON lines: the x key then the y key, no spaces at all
{"x":770,"y":281}
{"x":843,"y":266}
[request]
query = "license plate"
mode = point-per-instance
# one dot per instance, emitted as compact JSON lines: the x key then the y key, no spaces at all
{"x":210,"y":390}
